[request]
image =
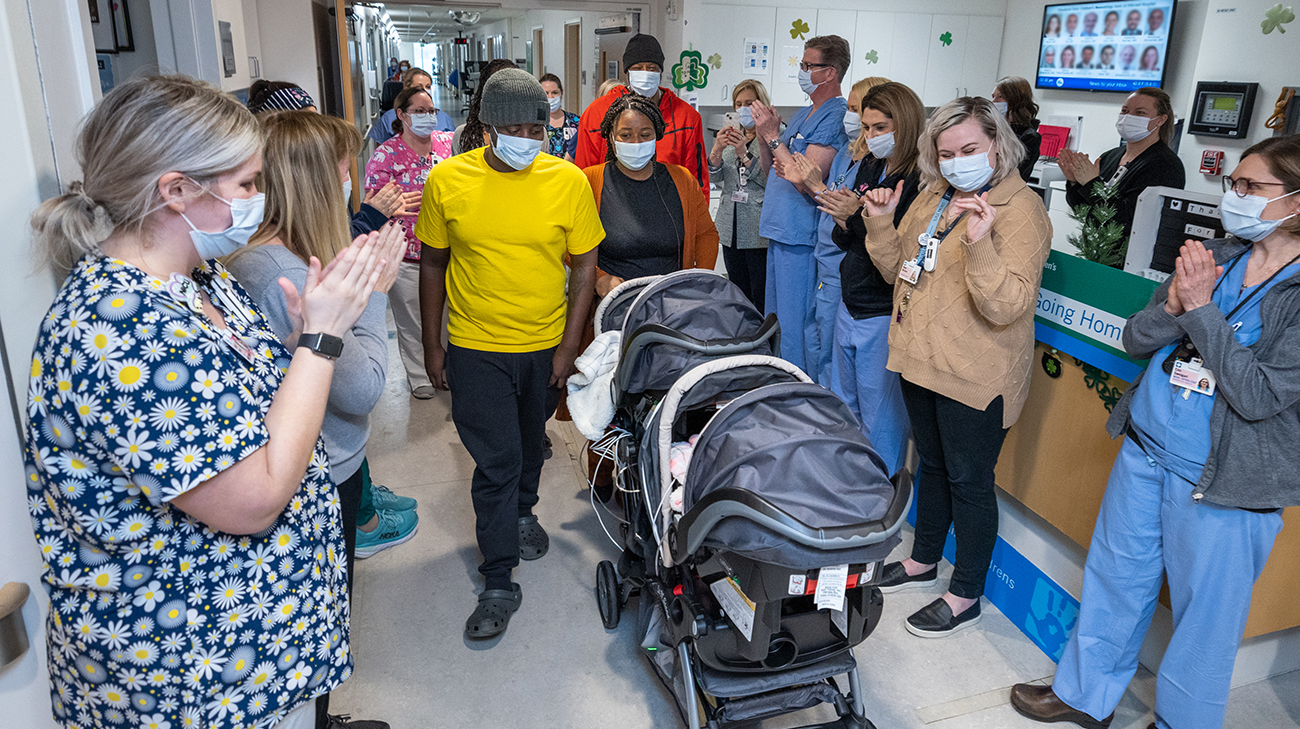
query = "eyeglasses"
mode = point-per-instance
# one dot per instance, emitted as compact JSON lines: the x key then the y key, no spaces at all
{"x":810,"y":66}
{"x":1243,"y":186}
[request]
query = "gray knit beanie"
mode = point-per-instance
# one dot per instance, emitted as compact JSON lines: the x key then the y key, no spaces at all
{"x":512,"y":96}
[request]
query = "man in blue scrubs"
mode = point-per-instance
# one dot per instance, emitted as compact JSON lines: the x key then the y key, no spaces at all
{"x":789,"y":219}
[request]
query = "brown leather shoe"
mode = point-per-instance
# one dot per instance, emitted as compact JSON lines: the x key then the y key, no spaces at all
{"x":1040,"y":703}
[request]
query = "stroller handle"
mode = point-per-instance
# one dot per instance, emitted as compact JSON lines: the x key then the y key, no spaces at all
{"x":648,"y":334}
{"x":729,"y":502}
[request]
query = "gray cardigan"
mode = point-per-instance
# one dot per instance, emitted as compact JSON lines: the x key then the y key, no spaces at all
{"x":749,"y":212}
{"x":1254,"y":459}
{"x":358,"y":373}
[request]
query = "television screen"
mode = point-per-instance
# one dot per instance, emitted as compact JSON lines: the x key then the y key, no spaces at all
{"x":1105,"y":46}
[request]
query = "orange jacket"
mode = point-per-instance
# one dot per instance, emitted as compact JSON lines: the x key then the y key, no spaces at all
{"x":700,"y":244}
{"x":683,"y":142}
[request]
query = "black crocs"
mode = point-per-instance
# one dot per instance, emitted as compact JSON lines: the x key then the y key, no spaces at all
{"x":533,"y":541}
{"x":492,"y":615}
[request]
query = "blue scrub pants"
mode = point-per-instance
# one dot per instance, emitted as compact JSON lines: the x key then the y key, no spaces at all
{"x":1150,"y":528}
{"x":871,"y":391}
{"x":819,"y":341}
{"x":791,"y":278}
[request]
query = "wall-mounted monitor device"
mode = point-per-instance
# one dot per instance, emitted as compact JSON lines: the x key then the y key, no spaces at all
{"x":1105,"y":46}
{"x":1222,"y":109}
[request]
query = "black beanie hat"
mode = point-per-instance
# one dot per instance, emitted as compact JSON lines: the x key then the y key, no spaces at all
{"x":643,"y":49}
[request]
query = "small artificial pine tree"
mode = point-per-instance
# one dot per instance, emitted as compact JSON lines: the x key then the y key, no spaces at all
{"x":1100,"y":236}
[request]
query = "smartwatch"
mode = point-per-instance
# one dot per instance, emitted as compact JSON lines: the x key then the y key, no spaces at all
{"x":326,"y":345}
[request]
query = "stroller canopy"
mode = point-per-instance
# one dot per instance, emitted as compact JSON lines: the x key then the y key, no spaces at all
{"x":682,"y":319}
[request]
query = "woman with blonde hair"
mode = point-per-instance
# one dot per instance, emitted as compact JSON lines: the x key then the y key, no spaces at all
{"x":967,"y":260}
{"x":305,"y":158}
{"x":165,"y":415}
{"x":736,"y":160}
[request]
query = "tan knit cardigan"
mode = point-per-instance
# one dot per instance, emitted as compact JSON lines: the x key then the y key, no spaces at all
{"x":968,"y":332}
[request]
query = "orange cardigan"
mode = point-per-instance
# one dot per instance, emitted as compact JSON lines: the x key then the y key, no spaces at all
{"x":700,"y":247}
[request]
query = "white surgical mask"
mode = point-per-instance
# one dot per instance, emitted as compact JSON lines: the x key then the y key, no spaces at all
{"x":852,"y":124}
{"x":645,"y":83}
{"x":967,"y":173}
{"x":347,"y":189}
{"x":424,"y":125}
{"x":881,"y":146}
{"x":746,"y":117}
{"x":1132,"y":128}
{"x":634,"y":155}
{"x":518,"y":152}
{"x":555,"y":104}
{"x":1241,"y":215}
{"x":806,"y":82}
{"x":1001,"y":106}
{"x":246,"y":217}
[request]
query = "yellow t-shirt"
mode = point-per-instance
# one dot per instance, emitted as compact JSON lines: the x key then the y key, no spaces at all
{"x":508,"y":233}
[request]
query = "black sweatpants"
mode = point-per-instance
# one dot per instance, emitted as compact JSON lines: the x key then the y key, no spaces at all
{"x":959,"y":447}
{"x":500,"y":402}
{"x":350,"y":504}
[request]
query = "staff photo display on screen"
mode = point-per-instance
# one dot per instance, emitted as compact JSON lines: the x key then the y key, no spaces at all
{"x":1120,"y":45}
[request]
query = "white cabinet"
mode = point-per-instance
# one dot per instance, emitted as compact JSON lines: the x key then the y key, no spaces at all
{"x":724,"y":31}
{"x":788,"y":51}
{"x":947,"y":50}
{"x":983,"y":53}
{"x":873,"y":46}
{"x":911,"y":51}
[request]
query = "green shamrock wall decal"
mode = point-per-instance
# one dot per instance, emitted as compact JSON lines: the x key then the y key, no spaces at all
{"x":691,"y":72}
{"x":715,"y":60}
{"x":798,"y":28}
{"x":1276,"y":17}
{"x":946,"y":38}
{"x":872,"y":56}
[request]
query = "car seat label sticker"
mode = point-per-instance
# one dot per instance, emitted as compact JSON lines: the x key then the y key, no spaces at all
{"x":831,"y":583}
{"x":798,"y":583}
{"x":738,"y":607}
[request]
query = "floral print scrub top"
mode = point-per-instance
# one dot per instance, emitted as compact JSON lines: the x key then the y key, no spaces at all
{"x":155,"y":620}
{"x":394,"y":161}
{"x":564,"y":138}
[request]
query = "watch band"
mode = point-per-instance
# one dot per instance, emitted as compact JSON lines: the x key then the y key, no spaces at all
{"x":325,"y":345}
{"x":772,"y":145}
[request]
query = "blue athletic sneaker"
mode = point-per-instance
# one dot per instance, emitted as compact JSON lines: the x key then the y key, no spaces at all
{"x":384,"y":498}
{"x":395,"y":527}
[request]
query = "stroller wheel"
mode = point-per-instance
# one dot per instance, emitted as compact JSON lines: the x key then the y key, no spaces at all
{"x":608,"y":595}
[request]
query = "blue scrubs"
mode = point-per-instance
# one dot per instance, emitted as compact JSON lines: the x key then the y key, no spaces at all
{"x":1149,"y":528}
{"x":869,"y":389}
{"x":819,"y":341}
{"x":789,"y":222}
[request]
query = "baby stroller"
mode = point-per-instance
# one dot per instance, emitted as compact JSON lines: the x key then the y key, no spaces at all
{"x":782,"y":494}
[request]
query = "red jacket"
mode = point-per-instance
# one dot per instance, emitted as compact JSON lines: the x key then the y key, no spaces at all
{"x":683,"y":142}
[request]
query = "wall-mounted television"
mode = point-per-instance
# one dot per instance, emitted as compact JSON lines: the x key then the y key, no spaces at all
{"x":1120,"y":45}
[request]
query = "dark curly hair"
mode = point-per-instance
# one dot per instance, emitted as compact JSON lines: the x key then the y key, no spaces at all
{"x":629,"y":102}
{"x":471,"y":137}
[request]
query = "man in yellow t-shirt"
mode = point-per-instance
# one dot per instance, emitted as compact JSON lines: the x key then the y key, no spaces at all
{"x":497,"y":223}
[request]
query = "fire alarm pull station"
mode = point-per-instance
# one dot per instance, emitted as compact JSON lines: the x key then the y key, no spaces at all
{"x":1212,"y":162}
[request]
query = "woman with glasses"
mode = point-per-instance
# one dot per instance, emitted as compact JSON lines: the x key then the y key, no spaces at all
{"x":1146,"y":124}
{"x":1209,"y":462}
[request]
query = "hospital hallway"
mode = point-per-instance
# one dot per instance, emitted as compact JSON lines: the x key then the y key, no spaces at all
{"x":557,"y":667}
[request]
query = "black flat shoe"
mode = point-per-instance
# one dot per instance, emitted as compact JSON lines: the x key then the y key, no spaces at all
{"x":937,"y":621}
{"x":894,"y":578}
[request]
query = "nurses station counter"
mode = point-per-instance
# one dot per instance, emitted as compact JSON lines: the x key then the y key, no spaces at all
{"x":1057,"y":457}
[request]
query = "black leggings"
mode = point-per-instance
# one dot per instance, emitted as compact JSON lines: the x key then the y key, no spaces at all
{"x":959,"y":447}
{"x":747,"y":268}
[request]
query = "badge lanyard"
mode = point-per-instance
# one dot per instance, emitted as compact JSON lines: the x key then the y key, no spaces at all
{"x":928,"y":256}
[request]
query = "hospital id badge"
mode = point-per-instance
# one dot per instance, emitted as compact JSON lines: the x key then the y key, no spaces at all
{"x":1193,"y":377}
{"x":740,"y":196}
{"x":910,"y":272}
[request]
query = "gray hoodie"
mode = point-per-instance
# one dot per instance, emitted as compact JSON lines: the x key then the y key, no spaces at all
{"x":1254,"y":460}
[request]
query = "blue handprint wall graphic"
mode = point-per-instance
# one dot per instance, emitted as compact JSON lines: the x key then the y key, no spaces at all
{"x":1052,"y":615}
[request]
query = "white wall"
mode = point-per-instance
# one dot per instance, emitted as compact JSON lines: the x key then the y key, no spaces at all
{"x":288,"y":43}
{"x":232,"y":11}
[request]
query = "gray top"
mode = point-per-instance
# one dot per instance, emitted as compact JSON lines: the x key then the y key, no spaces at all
{"x":358,"y":373}
{"x":1257,"y":403}
{"x":749,"y":212}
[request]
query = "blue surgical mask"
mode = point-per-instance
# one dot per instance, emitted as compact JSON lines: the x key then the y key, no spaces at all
{"x":424,"y":125}
{"x":1241,"y":215}
{"x":852,"y":123}
{"x":634,"y":155}
{"x":555,"y":103}
{"x":246,"y":218}
{"x":806,"y":82}
{"x":881,"y":145}
{"x":967,"y":173}
{"x":518,"y":152}
{"x":746,"y":117}
{"x":645,"y":83}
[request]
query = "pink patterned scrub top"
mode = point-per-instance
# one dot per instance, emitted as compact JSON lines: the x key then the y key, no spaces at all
{"x":394,"y":161}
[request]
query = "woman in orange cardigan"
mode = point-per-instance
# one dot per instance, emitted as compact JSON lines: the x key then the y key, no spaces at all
{"x":656,"y":221}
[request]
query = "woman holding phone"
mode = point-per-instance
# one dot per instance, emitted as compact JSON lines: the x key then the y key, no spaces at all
{"x":736,"y":160}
